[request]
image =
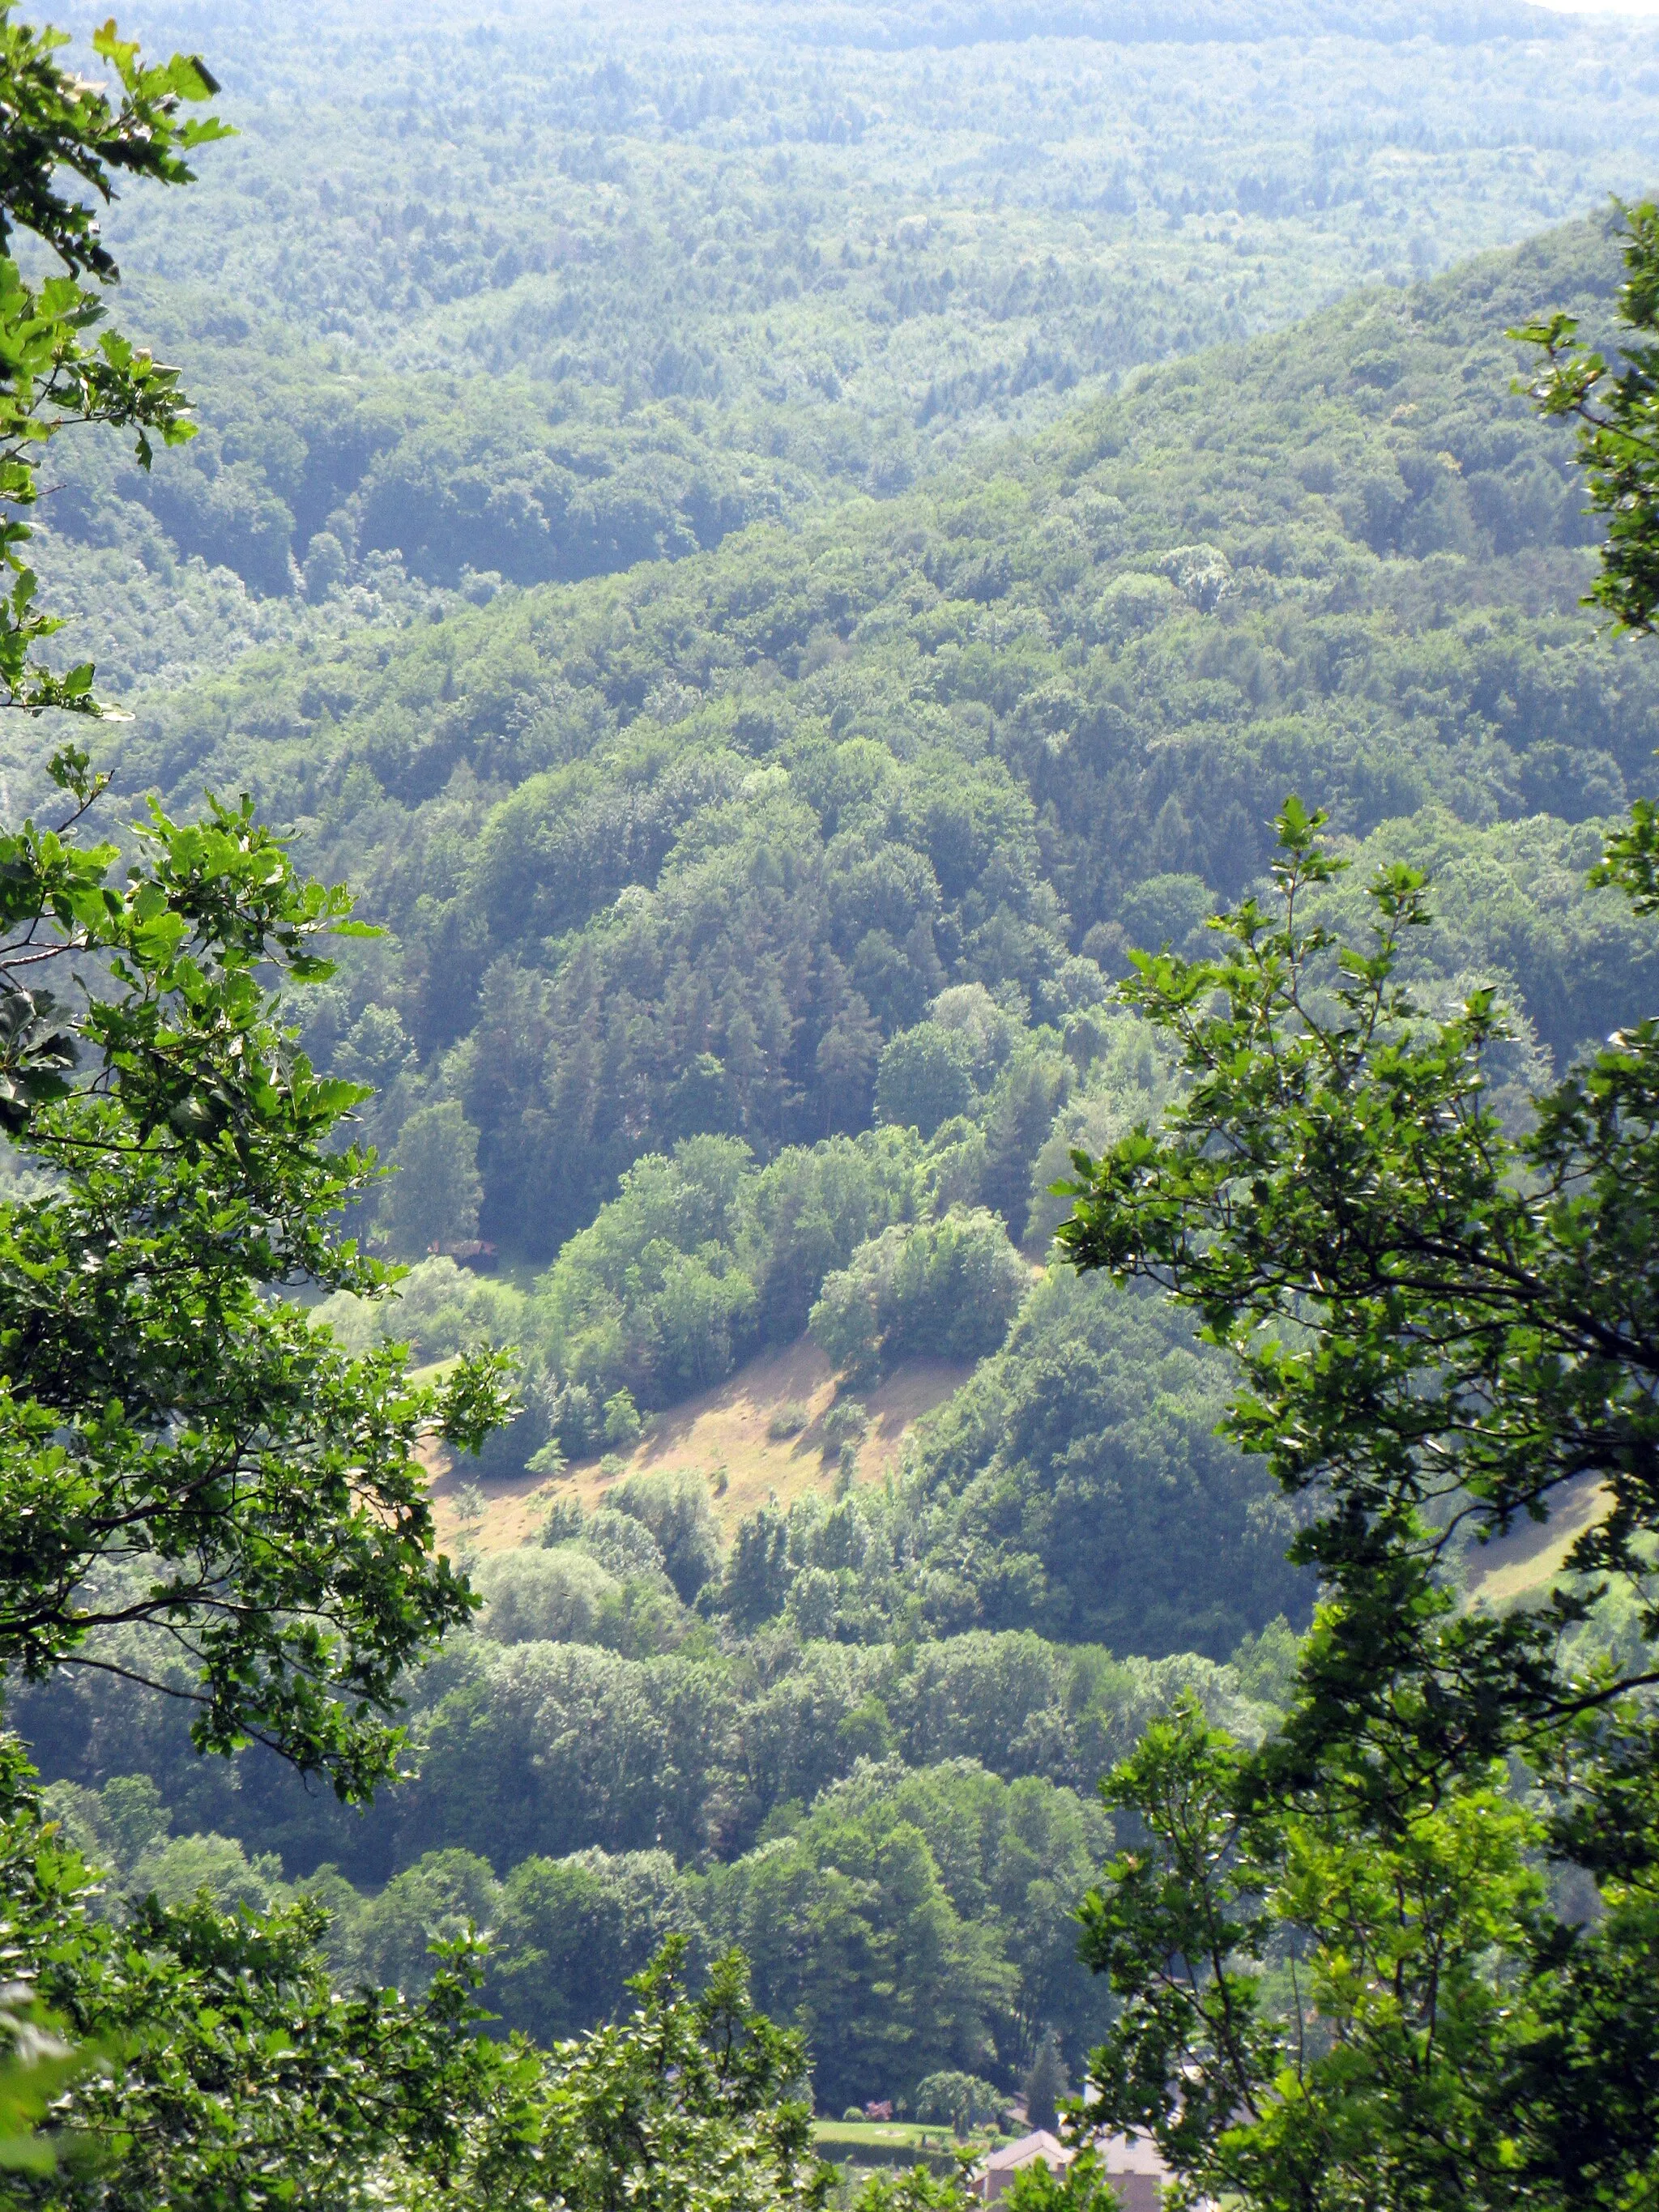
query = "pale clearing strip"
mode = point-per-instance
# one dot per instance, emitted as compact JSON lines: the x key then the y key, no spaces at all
{"x":725,"y":1428}
{"x":1523,"y":1566}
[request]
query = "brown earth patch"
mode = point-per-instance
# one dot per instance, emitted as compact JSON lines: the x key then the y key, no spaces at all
{"x":1521,"y":1567}
{"x":723,"y":1429}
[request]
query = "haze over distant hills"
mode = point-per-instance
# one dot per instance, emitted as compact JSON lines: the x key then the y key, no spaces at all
{"x":552,"y":293}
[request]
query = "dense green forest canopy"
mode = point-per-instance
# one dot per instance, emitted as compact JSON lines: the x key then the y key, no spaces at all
{"x":770,"y":555}
{"x":687,"y":850}
{"x":546,"y":293}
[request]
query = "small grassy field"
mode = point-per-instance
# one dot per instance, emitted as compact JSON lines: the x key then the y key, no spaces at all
{"x":889,"y":2142}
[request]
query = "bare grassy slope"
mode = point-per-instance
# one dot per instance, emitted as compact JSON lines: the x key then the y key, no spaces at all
{"x":729,"y":1428}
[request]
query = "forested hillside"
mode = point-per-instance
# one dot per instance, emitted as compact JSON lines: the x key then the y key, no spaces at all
{"x":697,"y":874}
{"x":541,"y":295}
{"x":686,"y":851}
{"x":770,"y":556}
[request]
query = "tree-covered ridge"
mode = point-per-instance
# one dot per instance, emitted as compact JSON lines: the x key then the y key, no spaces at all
{"x":685,"y":850}
{"x":824,"y":827}
{"x":535,"y":300}
{"x":832,"y":1809}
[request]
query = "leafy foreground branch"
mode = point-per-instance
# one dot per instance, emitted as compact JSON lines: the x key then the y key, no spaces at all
{"x":1406,"y":1954}
{"x":1348,"y":1971}
{"x":179,"y":1448}
{"x":217,"y":2067}
{"x":58,"y":371}
{"x":182,"y":1451}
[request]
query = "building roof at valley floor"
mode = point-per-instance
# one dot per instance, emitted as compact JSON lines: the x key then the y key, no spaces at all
{"x":1027,"y":2151}
{"x":1121,"y":2157}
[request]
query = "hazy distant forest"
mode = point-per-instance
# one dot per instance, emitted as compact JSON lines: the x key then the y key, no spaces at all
{"x":771,"y":545}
